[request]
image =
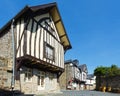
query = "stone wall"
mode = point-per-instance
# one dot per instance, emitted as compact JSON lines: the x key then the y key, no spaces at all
{"x":91,"y":87}
{"x":62,"y":80}
{"x":113,"y":82}
{"x":65,"y":77}
{"x":5,"y":59}
{"x":6,"y":45}
{"x":32,"y":87}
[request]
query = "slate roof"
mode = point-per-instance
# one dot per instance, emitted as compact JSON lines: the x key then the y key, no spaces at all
{"x":83,"y":68}
{"x":74,"y":62}
{"x":89,"y":76}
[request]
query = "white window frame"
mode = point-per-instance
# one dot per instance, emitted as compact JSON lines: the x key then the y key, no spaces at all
{"x":40,"y":75}
{"x":28,"y":72}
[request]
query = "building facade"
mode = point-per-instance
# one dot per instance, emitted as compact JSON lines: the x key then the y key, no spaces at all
{"x":71,"y":77}
{"x":90,"y":82}
{"x":40,"y":42}
{"x":84,"y":72}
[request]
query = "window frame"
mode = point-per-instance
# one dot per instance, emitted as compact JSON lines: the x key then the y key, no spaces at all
{"x":41,"y":79}
{"x":48,"y":27}
{"x":28,"y":72}
{"x":46,"y":54}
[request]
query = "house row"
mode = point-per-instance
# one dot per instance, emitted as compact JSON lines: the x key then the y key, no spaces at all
{"x":32,"y":49}
{"x":74,"y":76}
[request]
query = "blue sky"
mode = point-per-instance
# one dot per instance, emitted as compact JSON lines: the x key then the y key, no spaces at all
{"x":93,"y":27}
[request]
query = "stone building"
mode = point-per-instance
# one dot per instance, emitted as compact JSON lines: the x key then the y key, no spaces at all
{"x":74,"y":76}
{"x":70,"y":79}
{"x":40,"y":43}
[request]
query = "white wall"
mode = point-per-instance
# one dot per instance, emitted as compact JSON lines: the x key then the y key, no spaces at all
{"x":35,"y":38}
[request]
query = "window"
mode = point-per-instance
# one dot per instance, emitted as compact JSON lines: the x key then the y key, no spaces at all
{"x":42,"y":81}
{"x":84,"y":77}
{"x":51,"y":77}
{"x":38,"y":80}
{"x":41,"y":78}
{"x":28,"y":75}
{"x":49,"y":27}
{"x":49,"y":52}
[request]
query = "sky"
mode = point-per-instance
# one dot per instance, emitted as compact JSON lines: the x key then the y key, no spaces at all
{"x":93,"y":28}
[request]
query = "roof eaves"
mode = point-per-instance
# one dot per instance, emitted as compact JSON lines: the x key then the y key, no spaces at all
{"x":35,"y":8}
{"x":69,"y":46}
{"x":15,"y":17}
{"x":68,"y":61}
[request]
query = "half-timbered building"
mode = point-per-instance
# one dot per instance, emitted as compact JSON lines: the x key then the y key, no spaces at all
{"x":75,"y":75}
{"x":84,"y":73}
{"x":40,"y":41}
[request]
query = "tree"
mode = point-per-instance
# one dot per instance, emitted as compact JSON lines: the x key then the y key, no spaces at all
{"x":100,"y":71}
{"x":107,"y":71}
{"x":114,"y":70}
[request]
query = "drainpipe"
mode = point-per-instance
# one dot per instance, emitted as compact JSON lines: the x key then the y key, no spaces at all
{"x":13,"y":66}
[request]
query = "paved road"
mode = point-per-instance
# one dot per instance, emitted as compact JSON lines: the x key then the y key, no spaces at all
{"x":73,"y":93}
{"x":82,"y":93}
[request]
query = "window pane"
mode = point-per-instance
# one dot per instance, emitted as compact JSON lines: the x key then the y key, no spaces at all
{"x":49,"y":52}
{"x":38,"y":80}
{"x":42,"y":81}
{"x":28,"y":75}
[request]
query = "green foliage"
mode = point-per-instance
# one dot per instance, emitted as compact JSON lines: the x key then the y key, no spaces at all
{"x":100,"y":71}
{"x":107,"y":71}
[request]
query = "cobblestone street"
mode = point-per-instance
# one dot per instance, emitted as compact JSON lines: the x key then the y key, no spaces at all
{"x":82,"y":93}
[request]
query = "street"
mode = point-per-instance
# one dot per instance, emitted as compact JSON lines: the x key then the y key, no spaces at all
{"x":82,"y":93}
{"x":69,"y":93}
